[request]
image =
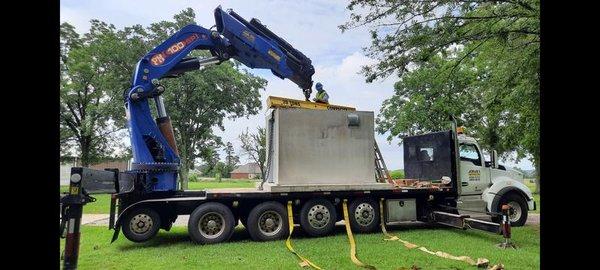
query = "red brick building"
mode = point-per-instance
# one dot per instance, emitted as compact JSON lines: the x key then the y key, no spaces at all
{"x":247,"y":171}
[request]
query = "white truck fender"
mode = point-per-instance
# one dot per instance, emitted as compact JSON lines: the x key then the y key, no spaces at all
{"x":503,"y":185}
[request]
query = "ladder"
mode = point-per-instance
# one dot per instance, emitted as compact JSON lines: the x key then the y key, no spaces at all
{"x":382,"y":174}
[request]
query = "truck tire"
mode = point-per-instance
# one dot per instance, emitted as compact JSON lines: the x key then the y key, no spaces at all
{"x":364,"y":215}
{"x":140,"y":224}
{"x":268,"y":221}
{"x":211,"y":223}
{"x":318,"y":217}
{"x":518,"y":213}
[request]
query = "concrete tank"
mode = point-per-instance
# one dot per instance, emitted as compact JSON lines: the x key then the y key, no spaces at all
{"x":318,"y":149}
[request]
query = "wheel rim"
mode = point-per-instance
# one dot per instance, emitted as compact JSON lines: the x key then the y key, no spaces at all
{"x":211,"y":225}
{"x":270,"y":223}
{"x":515,"y":211}
{"x":364,"y":214}
{"x":318,"y":216}
{"x":141,"y":224}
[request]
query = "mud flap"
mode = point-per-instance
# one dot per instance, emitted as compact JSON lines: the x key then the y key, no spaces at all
{"x":117,"y":231}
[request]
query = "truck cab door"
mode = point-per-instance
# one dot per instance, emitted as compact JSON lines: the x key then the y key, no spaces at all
{"x":474,"y":176}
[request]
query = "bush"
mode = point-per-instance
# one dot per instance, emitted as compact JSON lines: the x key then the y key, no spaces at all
{"x":193,"y":177}
{"x":397,"y":174}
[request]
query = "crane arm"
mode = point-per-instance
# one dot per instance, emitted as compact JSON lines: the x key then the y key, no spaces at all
{"x":251,"y":43}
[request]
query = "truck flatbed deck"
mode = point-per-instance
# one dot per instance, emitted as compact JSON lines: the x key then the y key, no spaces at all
{"x":382,"y":189}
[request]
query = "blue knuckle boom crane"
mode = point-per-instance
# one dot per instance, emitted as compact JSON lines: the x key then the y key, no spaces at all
{"x":251,"y":43}
{"x":155,"y":157}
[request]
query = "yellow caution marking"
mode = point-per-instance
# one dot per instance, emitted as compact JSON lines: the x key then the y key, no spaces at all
{"x":355,"y":260}
{"x":288,"y":243}
{"x":74,"y":190}
{"x":481,"y":262}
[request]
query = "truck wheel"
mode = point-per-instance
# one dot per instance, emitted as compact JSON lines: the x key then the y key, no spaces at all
{"x":364,"y":215}
{"x":317,"y":217}
{"x":141,"y":224}
{"x":268,"y":221}
{"x":211,"y":223}
{"x":518,"y":212}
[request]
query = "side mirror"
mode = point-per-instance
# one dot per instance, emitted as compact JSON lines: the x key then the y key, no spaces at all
{"x":494,"y":157}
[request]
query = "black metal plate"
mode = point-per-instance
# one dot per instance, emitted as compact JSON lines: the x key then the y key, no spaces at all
{"x":98,"y":181}
{"x":429,"y":156}
{"x":126,"y":182}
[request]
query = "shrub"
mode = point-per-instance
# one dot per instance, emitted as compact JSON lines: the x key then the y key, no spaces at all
{"x":397,"y":174}
{"x":193,"y":177}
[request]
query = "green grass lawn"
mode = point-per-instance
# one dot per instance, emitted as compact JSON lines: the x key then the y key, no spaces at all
{"x":174,"y":250}
{"x":536,"y":197}
{"x":102,"y":203}
{"x":225,"y":183}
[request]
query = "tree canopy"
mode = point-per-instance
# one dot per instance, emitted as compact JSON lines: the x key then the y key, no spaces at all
{"x":196,"y":101}
{"x":89,"y":121}
{"x":476,"y":60}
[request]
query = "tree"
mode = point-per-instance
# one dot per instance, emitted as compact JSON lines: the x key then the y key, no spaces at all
{"x":231,"y":160}
{"x":87,"y":119}
{"x":411,"y":32}
{"x":196,"y":101}
{"x":254,"y":146}
{"x":478,"y":60}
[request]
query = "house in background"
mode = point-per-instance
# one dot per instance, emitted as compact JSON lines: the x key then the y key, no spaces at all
{"x":247,"y":171}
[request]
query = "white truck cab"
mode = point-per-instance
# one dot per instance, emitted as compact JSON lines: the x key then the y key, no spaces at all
{"x":486,"y":185}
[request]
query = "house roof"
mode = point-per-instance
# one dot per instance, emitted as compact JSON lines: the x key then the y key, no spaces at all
{"x":247,"y":168}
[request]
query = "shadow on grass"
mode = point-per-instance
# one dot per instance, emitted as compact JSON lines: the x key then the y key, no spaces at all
{"x":165,"y":239}
{"x":240,"y":235}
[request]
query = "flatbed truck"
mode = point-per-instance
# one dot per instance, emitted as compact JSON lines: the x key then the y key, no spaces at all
{"x":145,"y":199}
{"x":215,"y":212}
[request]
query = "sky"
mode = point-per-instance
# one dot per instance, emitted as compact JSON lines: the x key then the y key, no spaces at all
{"x":311,"y":26}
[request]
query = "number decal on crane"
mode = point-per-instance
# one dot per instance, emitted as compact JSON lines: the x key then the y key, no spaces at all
{"x":249,"y":36}
{"x":274,"y":55}
{"x":160,"y":58}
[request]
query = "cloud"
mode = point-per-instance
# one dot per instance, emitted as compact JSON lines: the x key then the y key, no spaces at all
{"x":78,"y":18}
{"x":311,"y":26}
{"x":345,"y":86}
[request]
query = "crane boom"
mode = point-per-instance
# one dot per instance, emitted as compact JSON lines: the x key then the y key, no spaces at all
{"x":155,"y":153}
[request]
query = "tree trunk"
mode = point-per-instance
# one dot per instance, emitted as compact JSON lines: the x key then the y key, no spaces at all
{"x":537,"y":176}
{"x":184,"y":173}
{"x":85,"y":151}
{"x":262,"y":170}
